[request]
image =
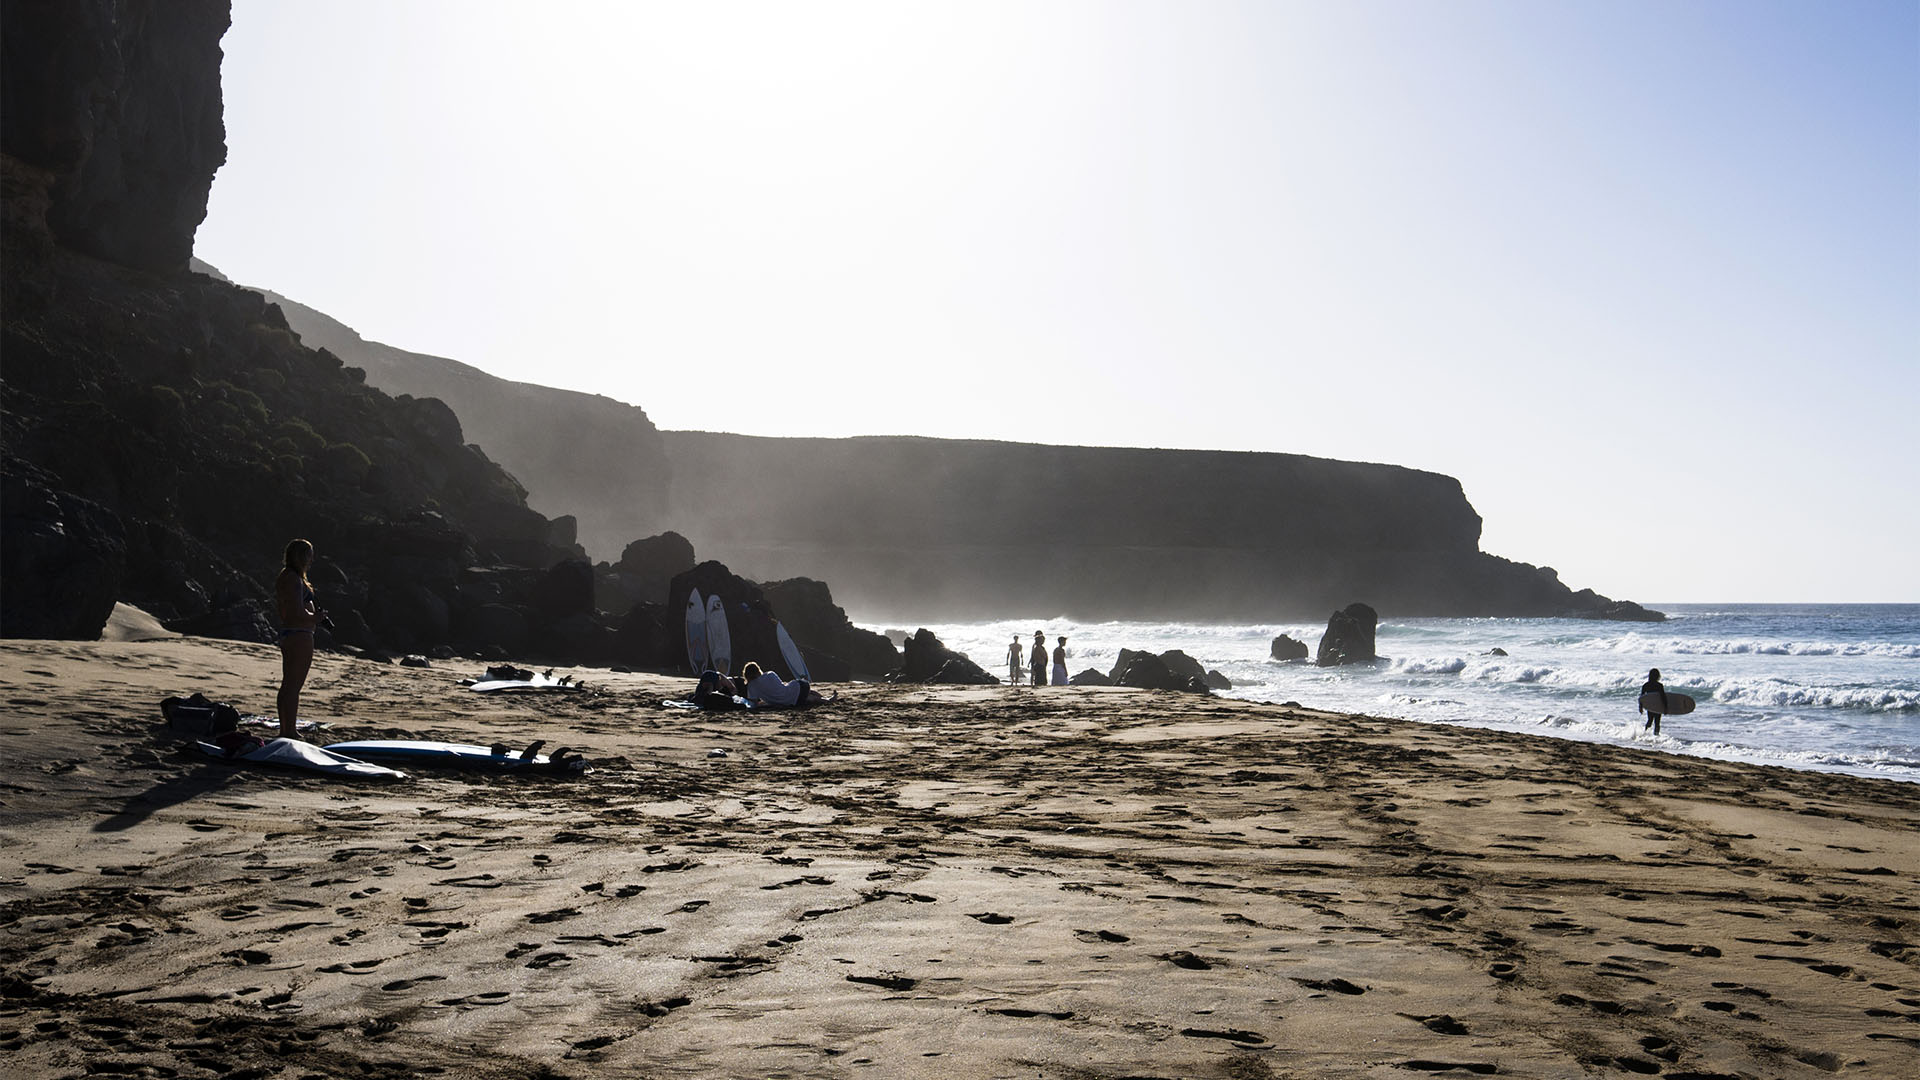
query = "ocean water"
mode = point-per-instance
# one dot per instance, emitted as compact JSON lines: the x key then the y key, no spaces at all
{"x":1834,"y":688}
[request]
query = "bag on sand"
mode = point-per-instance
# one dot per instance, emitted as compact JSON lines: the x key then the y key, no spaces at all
{"x":199,"y":717}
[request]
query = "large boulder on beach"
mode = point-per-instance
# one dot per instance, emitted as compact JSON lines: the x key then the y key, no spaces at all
{"x":1183,"y":665}
{"x":1090,"y":677}
{"x":1145,"y":671}
{"x":927,"y":660}
{"x":1170,"y":670}
{"x":1286,"y":648}
{"x":1217,"y":681}
{"x":1349,"y":637}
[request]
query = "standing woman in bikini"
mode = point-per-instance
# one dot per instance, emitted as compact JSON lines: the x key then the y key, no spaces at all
{"x":299,"y":614}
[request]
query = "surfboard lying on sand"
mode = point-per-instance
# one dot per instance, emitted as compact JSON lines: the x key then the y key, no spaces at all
{"x":1677,"y":704}
{"x":796,"y":664}
{"x":294,"y":754}
{"x":462,"y":755}
{"x":719,"y":641}
{"x":538,"y":682}
{"x":696,"y":632}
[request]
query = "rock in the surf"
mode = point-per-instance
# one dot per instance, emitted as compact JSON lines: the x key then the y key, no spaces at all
{"x":1217,"y":681}
{"x":1183,"y":665}
{"x":1286,"y":648}
{"x":1090,"y":677}
{"x":1349,"y":637}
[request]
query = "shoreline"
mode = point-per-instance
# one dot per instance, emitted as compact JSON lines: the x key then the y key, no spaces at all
{"x":926,"y":881}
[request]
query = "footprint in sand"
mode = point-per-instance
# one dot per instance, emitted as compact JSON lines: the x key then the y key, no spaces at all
{"x":398,"y":985}
{"x":991,"y":918}
{"x":1337,"y":986}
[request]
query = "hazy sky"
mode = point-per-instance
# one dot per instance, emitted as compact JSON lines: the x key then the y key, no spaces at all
{"x":1644,"y":276}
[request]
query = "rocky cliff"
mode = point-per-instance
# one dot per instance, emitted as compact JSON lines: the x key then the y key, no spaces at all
{"x":590,"y":457}
{"x":982,"y":529}
{"x":163,"y":434}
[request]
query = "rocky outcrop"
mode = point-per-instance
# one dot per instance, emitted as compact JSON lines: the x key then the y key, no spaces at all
{"x":1349,"y":638}
{"x":1286,"y":648}
{"x":927,"y":660}
{"x":1090,"y":677}
{"x":61,"y":560}
{"x":645,"y":571}
{"x":1146,"y":671}
{"x":832,"y":646}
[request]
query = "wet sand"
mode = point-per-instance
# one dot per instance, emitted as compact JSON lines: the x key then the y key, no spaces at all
{"x":920,"y":882}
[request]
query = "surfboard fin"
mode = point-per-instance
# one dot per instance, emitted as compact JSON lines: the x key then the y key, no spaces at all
{"x":532,"y":749}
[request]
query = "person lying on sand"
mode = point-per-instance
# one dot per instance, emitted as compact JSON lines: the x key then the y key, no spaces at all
{"x":716,"y":690}
{"x":768,"y":689}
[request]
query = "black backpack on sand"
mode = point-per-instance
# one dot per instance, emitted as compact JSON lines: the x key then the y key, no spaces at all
{"x":199,"y":717}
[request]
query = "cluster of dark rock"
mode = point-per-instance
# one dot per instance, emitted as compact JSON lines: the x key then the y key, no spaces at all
{"x":1170,"y":670}
{"x":1349,"y":639}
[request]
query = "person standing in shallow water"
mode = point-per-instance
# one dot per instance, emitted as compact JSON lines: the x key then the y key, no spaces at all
{"x":300,"y":614}
{"x":1037,"y":659}
{"x":1016,"y":664}
{"x":1060,"y":663}
{"x":1653,"y":686}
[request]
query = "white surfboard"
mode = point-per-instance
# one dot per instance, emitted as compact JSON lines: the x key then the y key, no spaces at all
{"x":538,"y":682}
{"x":719,"y":641}
{"x":697,"y":632}
{"x":1676,"y":705}
{"x":796,"y":664}
{"x":294,"y":754}
{"x":447,"y":753}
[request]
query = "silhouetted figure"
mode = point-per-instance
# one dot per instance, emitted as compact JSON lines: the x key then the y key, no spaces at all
{"x":1037,"y":659}
{"x":1654,"y":686}
{"x":1060,"y":663}
{"x":1016,"y":662}
{"x":299,"y":614}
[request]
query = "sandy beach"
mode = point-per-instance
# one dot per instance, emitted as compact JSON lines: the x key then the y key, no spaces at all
{"x":921,"y":882}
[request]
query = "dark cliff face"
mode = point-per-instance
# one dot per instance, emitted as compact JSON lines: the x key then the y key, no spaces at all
{"x":118,"y":102}
{"x":164,"y":434}
{"x":595,"y":459}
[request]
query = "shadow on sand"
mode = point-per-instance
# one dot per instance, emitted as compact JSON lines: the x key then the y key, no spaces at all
{"x":170,"y":792}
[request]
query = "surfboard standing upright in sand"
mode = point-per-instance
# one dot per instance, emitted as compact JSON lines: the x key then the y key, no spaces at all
{"x":719,"y":642}
{"x":796,"y":664}
{"x":696,"y":632}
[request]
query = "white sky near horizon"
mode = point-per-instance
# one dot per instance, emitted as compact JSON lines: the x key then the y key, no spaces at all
{"x":1644,"y":276}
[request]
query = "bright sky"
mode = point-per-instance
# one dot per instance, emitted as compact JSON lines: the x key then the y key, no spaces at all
{"x":1644,"y":276}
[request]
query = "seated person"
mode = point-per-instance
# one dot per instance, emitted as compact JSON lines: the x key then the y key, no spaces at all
{"x":767,"y":688}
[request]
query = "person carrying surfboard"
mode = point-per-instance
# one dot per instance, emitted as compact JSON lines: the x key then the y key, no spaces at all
{"x":1653,"y":686}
